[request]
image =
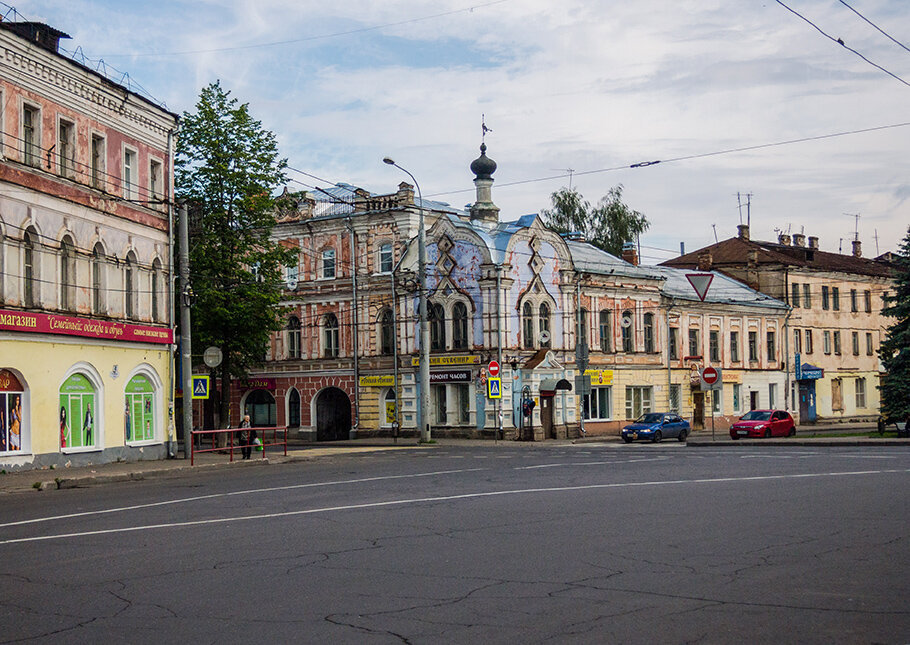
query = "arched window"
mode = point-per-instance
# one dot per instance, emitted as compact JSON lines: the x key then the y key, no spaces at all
{"x":156,"y":289}
{"x":581,"y":331}
{"x":293,"y":337}
{"x":98,"y":279}
{"x":30,"y":266}
{"x":437,"y":317}
{"x":459,"y":326}
{"x":328,"y":263}
{"x":330,"y":335}
{"x":67,"y":273}
{"x":293,"y":408}
{"x":386,"y":333}
{"x":386,"y":258}
{"x":527,"y":325}
{"x":605,"y":331}
{"x":543,"y":324}
{"x":129,"y":288}
{"x":649,"y":332}
{"x":627,"y":331}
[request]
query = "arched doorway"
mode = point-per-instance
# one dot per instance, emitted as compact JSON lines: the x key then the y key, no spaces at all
{"x":333,"y":415}
{"x":260,"y":405}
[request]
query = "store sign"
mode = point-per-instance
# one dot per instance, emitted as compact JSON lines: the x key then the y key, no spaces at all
{"x":258,"y":383}
{"x":85,"y":327}
{"x":600,"y":377}
{"x":453,"y":376}
{"x":377,"y":380}
{"x":448,"y":360}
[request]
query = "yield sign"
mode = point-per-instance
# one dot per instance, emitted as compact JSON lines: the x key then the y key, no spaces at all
{"x":700,"y":282}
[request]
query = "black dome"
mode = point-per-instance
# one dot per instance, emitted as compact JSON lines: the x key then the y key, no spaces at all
{"x":483,"y":167}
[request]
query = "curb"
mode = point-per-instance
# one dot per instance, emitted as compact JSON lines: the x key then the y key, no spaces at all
{"x":852,"y":442}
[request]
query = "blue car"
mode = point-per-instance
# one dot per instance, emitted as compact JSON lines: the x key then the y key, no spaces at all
{"x":655,"y":426}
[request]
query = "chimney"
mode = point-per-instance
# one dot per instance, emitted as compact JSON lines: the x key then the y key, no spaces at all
{"x":857,"y":249}
{"x":629,"y":254}
{"x":784,"y":239}
{"x":38,"y":33}
{"x":743,"y":230}
{"x":799,"y":240}
{"x":813,"y":242}
{"x":705,"y":260}
{"x":682,"y":248}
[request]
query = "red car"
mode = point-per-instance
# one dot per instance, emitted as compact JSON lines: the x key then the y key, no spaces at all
{"x":763,"y":423}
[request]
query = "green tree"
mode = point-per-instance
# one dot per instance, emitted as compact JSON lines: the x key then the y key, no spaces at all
{"x":607,"y":226}
{"x":895,"y":350}
{"x":227,"y":171}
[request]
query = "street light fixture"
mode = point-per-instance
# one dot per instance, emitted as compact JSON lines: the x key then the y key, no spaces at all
{"x":424,"y":407}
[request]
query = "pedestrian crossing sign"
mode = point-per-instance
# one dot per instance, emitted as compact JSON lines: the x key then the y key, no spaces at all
{"x":200,"y":387}
{"x":494,"y":387}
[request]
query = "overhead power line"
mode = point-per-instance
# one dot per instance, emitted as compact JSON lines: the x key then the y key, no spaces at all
{"x":880,"y":30}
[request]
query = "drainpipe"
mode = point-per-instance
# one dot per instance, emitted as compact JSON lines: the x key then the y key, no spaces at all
{"x":171,"y":430}
{"x":355,"y":317}
{"x":787,"y":395}
{"x":578,"y":337}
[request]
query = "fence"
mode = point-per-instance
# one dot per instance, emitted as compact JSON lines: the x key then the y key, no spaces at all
{"x":201,"y":437}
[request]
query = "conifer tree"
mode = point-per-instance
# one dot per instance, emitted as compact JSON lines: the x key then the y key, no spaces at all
{"x":895,"y":350}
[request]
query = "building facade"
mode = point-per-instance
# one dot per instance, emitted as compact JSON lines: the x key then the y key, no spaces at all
{"x":85,"y":182}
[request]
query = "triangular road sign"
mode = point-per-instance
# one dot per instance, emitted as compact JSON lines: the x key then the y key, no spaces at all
{"x":700,"y":282}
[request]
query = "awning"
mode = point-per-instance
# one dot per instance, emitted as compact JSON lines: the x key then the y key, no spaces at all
{"x":549,"y":386}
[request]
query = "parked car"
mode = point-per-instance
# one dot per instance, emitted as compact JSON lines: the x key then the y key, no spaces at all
{"x":655,"y":426}
{"x":763,"y":423}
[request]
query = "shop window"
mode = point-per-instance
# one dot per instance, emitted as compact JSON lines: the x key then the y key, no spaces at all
{"x":14,"y":431}
{"x":439,"y":393}
{"x":388,"y":412}
{"x":78,"y":407}
{"x":772,"y":395}
{"x":598,"y":405}
{"x":737,"y":397}
{"x":638,"y":401}
{"x":463,"y":395}
{"x":140,"y":409}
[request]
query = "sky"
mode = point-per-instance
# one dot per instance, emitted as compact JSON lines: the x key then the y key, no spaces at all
{"x":573,"y":91}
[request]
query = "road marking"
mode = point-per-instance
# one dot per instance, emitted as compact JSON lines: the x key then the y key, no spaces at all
{"x":184,"y":500}
{"x":592,"y":463}
{"x":446,"y":498}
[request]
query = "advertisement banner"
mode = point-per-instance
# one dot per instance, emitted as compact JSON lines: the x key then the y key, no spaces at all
{"x":85,"y":327}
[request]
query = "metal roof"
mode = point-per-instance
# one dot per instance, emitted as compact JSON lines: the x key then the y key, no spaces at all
{"x":723,"y":289}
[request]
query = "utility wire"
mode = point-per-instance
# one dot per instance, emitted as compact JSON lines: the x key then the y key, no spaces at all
{"x":880,"y":30}
{"x":840,"y":42}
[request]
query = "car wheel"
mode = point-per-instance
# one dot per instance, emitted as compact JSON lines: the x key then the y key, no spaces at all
{"x":627,"y":439}
{"x":658,"y":435}
{"x":768,"y":433}
{"x":792,"y":432}
{"x":734,"y":437}
{"x":682,"y":435}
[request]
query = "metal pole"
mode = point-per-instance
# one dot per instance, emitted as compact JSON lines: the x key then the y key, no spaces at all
{"x":171,"y":432}
{"x":422,"y":312}
{"x":578,"y":337}
{"x":186,"y":346}
{"x":395,"y":356}
{"x":499,"y":345}
{"x":355,"y":318}
{"x":669,"y":366}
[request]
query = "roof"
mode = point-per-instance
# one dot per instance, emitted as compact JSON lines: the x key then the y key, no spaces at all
{"x":587,"y":258}
{"x":734,"y":252}
{"x":723,"y":289}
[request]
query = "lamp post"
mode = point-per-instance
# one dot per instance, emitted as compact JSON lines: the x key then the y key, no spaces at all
{"x":424,"y":335}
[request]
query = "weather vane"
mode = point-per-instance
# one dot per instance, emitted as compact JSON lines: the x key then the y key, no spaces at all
{"x":483,"y":127}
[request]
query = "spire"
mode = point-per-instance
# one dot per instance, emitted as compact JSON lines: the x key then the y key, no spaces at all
{"x":483,"y":168}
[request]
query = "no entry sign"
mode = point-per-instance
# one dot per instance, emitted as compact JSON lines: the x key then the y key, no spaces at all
{"x":493,"y":368}
{"x":711,"y":378}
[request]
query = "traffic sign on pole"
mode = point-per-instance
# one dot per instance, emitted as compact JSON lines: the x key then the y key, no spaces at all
{"x":494,"y":388}
{"x":493,"y":368}
{"x":711,"y":378}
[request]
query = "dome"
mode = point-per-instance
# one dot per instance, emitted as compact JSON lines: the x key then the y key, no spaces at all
{"x":483,"y":167}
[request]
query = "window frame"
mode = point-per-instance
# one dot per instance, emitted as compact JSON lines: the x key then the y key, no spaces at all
{"x":156,"y":181}
{"x":31,"y":267}
{"x":30,"y":134}
{"x":734,"y":346}
{"x":753,"y":346}
{"x":130,"y":274}
{"x":599,"y":397}
{"x":648,"y":328}
{"x":129,"y":185}
{"x":386,"y":332}
{"x":66,"y":147}
{"x":385,"y":257}
{"x":328,"y":269}
{"x":771,"y":345}
{"x":460,"y":327}
{"x":605,"y":330}
{"x":331,"y":337}
{"x":98,"y":161}
{"x":694,"y":341}
{"x":294,"y":337}
{"x":714,"y":345}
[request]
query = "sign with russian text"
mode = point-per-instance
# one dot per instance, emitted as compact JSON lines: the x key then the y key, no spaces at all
{"x":448,"y":360}
{"x":377,"y":380}
{"x":600,"y":377}
{"x":258,"y":383}
{"x":451,"y":376}
{"x":85,"y":327}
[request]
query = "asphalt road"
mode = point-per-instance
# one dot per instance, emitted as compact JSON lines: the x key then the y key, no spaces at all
{"x":494,"y":544}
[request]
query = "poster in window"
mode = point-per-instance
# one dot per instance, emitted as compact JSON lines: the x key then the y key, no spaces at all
{"x":77,"y":413}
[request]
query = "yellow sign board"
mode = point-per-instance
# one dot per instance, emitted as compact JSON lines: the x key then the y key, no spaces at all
{"x":448,"y":360}
{"x":600,"y":377}
{"x":390,"y":412}
{"x":377,"y":380}
{"x":732,"y":377}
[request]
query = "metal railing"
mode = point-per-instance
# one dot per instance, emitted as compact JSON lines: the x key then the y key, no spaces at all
{"x":277,"y":434}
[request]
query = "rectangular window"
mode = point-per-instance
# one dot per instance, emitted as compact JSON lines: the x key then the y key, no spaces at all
{"x":869,"y":349}
{"x":328,"y":263}
{"x":837,"y":343}
{"x":826,"y":341}
{"x":771,"y":346}
{"x":605,"y":330}
{"x":386,"y":258}
{"x":835,"y":298}
{"x":734,"y":346}
{"x":464,"y":403}
{"x":31,"y":135}
{"x":66,"y":148}
{"x":717,"y":401}
{"x":599,"y":404}
{"x":714,"y":345}
{"x":772,"y":395}
{"x":825,"y":298}
{"x":439,"y":403}
{"x":860,"y":393}
{"x":737,"y":397}
{"x":674,"y":344}
{"x":130,"y":171}
{"x":753,"y":346}
{"x":867,"y":300}
{"x":291,"y":276}
{"x":98,"y":161}
{"x":638,"y":401}
{"x":675,"y":396}
{"x":854,"y":301}
{"x":809,"y":341}
{"x":837,"y":394}
{"x":855,"y":343}
{"x":156,"y":181}
{"x":797,"y":341}
{"x":794,"y":296}
{"x":694,"y":344}
{"x":807,"y":296}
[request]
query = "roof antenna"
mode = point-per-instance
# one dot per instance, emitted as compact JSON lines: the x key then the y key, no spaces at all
{"x":569,"y":171}
{"x":714,"y":226}
{"x":876,"y":242}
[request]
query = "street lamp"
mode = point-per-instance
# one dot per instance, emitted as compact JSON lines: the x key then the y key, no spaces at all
{"x":422,"y":312}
